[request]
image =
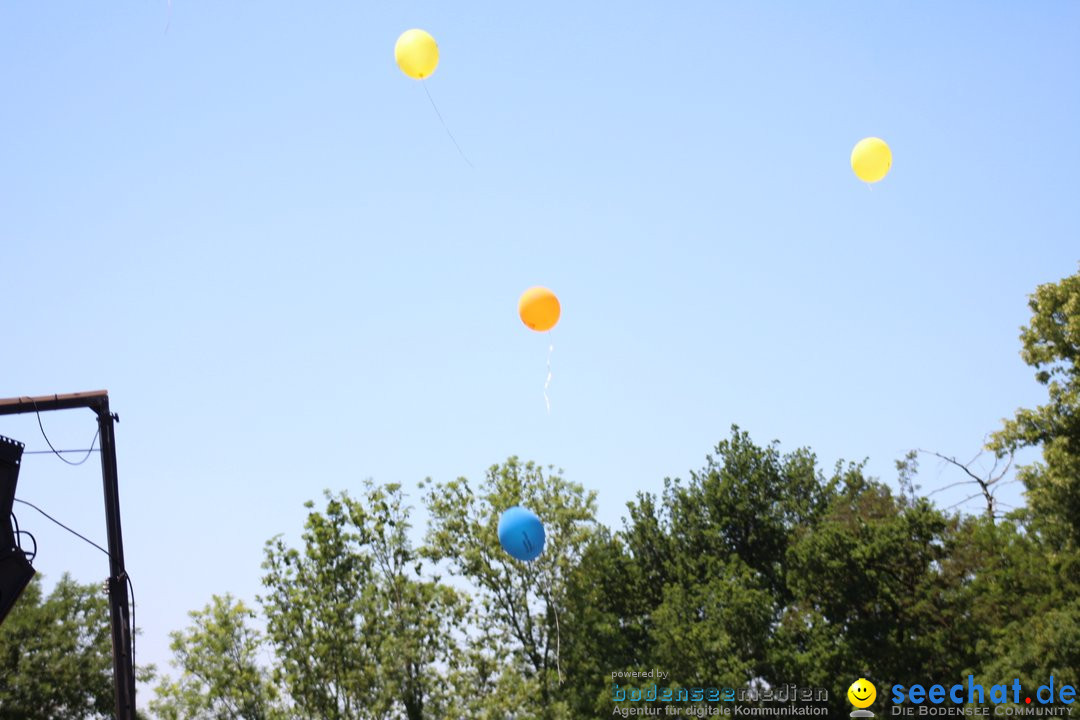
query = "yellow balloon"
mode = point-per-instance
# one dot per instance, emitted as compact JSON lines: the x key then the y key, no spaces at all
{"x":539,"y":309}
{"x":416,"y":53}
{"x":871,"y":159}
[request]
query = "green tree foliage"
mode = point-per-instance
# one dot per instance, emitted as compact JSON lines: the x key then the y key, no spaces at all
{"x":1044,"y":646}
{"x":1051,"y":345}
{"x":608,"y":620}
{"x":420,"y":618}
{"x":222,"y":677}
{"x":320,"y":612}
{"x":719,"y":582}
{"x":56,"y":655}
{"x":1023,"y":618}
{"x":764,"y":570}
{"x":356,"y":631}
{"x":697,"y":581}
{"x":869,"y":596}
{"x":1045,"y":638}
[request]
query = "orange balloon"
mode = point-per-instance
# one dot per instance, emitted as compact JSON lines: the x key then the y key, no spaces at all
{"x":539,"y":309}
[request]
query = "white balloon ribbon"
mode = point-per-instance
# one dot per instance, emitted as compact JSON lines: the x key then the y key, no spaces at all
{"x":547,"y":383}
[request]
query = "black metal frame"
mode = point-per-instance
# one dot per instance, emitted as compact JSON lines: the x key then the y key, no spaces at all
{"x":119,"y":610}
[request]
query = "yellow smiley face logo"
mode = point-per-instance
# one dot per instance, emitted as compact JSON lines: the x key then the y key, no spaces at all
{"x":862,"y":693}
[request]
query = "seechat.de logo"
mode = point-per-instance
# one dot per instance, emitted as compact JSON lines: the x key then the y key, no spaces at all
{"x":972,"y":698}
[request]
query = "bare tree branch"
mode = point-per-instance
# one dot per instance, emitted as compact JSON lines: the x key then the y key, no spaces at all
{"x":987,"y":485}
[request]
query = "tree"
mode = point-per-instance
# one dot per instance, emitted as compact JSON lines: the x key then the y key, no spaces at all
{"x":1038,"y":648}
{"x":318,"y":610}
{"x":609,"y":604}
{"x":221,"y":677}
{"x":1010,"y":596}
{"x":764,"y":570}
{"x":357,"y":632}
{"x":419,"y":617}
{"x":708,"y":579}
{"x":697,"y":580}
{"x":723,"y":577}
{"x":868,"y":594}
{"x":1051,"y":345}
{"x":56,"y":654}
{"x":1046,"y":638}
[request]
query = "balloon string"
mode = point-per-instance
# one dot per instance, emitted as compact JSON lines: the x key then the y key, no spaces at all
{"x":447,"y":129}
{"x":547,"y":383}
{"x":558,"y":634}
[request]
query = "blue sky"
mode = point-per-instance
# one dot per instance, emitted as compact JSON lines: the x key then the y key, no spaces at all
{"x":254,"y":232}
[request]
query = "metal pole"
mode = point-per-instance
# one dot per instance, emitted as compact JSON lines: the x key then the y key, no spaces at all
{"x":119,"y":611}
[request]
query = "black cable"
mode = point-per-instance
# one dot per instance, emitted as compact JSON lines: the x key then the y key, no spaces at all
{"x":31,"y":535}
{"x":59,"y":452}
{"x":83,"y":537}
{"x":55,"y":451}
{"x":131,"y":586}
{"x":19,"y":532}
{"x":134,"y":627}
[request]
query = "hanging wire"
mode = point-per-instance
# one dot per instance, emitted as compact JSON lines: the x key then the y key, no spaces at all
{"x":31,"y":536}
{"x":79,"y":535}
{"x":56,"y":452}
{"x":134,"y":627}
{"x":546,"y":589}
{"x":558,"y":634}
{"x":19,"y":532}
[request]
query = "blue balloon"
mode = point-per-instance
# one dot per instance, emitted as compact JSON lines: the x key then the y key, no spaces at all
{"x":521,"y":533}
